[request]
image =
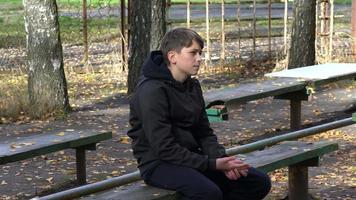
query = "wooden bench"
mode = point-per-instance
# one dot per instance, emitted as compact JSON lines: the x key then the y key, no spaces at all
{"x":294,"y":85}
{"x":298,"y":156}
{"x":36,"y":145}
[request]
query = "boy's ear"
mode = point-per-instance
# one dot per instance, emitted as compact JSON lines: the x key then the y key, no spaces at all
{"x":172,"y":57}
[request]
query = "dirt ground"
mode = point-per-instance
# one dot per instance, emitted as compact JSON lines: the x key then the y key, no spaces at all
{"x":334,"y":179}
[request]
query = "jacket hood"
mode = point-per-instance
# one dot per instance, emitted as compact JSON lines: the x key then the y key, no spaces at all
{"x":155,"y":67}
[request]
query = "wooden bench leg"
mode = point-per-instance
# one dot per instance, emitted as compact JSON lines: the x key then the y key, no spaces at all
{"x":295,"y":114}
{"x":298,"y":182}
{"x":81,"y":169}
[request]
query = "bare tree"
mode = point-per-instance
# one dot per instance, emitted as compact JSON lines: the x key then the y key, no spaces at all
{"x":47,"y":84}
{"x":147,"y":27}
{"x":302,"y":50}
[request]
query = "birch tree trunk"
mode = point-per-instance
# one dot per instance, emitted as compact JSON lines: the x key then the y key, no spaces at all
{"x":47,"y":84}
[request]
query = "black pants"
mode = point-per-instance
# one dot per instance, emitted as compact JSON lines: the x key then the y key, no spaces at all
{"x":210,"y":185}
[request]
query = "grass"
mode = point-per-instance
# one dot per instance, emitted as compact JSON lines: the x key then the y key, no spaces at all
{"x":13,"y":98}
{"x":82,"y":89}
{"x":343,"y":2}
{"x":12,"y":32}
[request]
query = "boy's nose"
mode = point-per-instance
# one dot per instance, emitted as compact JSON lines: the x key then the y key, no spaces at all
{"x":199,"y":58}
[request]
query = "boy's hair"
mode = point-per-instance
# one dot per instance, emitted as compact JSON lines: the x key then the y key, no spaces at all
{"x":178,"y":38}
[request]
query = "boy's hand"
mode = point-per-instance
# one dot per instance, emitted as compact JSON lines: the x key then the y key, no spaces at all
{"x":236,"y":174}
{"x":230,"y":163}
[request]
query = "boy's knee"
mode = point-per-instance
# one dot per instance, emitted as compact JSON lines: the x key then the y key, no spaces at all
{"x":215,"y":193}
{"x":264,"y":185}
{"x":208,"y":192}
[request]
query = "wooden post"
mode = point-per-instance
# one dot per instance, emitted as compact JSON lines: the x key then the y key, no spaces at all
{"x":331,"y":29}
{"x":123,"y":34}
{"x":222,"y":30}
{"x":207,"y":57}
{"x":85,"y":32}
{"x":81,"y":170}
{"x":239,"y":29}
{"x":353,"y":27}
{"x":298,"y":182}
{"x":323,"y":28}
{"x":128,"y":22}
{"x":188,"y":14}
{"x":254,"y":29}
{"x":285,"y":25}
{"x":295,"y":113}
{"x":269,"y":27}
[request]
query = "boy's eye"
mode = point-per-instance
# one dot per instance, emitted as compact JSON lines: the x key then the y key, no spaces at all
{"x":196,"y":52}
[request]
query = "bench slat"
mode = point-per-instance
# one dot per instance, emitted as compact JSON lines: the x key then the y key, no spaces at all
{"x":281,"y":155}
{"x":35,"y":145}
{"x":288,"y":153}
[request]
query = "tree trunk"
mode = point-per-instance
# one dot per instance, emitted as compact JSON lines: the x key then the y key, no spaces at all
{"x":47,"y":84}
{"x":147,"y":27}
{"x":158,"y":26}
{"x":139,"y":48}
{"x":302,"y":50}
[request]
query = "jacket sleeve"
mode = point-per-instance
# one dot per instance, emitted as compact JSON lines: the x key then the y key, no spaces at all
{"x":207,"y":138}
{"x":154,"y":111}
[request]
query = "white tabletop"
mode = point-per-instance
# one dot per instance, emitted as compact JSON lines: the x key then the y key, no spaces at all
{"x":323,"y":71}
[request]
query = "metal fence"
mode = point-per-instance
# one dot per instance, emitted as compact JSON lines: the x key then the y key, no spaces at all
{"x":94,"y":32}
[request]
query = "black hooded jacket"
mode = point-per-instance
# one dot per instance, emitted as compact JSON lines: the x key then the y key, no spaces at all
{"x":168,"y":121}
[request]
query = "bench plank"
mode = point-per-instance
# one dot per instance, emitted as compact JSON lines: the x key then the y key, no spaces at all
{"x":281,"y":155}
{"x":287,"y":153}
{"x":35,"y":145}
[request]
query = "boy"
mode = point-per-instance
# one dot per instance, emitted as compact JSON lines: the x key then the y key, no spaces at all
{"x":171,"y":137}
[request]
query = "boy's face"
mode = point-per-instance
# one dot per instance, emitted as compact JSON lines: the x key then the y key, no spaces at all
{"x":187,"y":62}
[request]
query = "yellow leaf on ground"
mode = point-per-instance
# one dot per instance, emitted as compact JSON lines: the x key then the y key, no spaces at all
{"x":125,"y":140}
{"x":50,"y":179}
{"x":115,"y":173}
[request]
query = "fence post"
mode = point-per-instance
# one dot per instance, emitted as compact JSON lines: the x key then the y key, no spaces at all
{"x":207,"y":57}
{"x":85,"y":32}
{"x":269,"y":27}
{"x":239,"y":29}
{"x":285,"y":25}
{"x":188,"y":13}
{"x":254,"y":29}
{"x":128,"y":22}
{"x":222,"y":56}
{"x":353,"y":27}
{"x":331,"y":29}
{"x":123,"y":33}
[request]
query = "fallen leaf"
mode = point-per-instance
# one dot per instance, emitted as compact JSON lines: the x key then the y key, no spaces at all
{"x":50,"y":179}
{"x":61,"y":134}
{"x":125,"y":140}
